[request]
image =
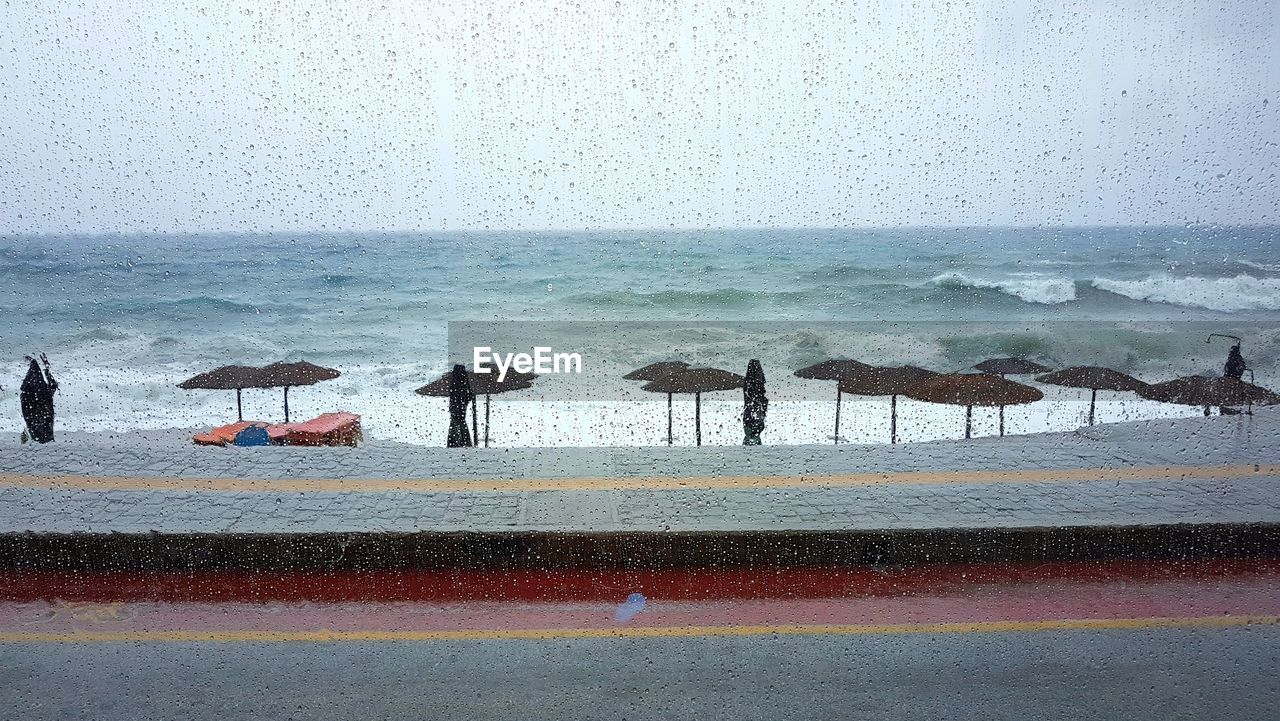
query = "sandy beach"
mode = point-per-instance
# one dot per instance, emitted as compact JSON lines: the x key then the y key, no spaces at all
{"x":533,"y":424}
{"x":580,"y":424}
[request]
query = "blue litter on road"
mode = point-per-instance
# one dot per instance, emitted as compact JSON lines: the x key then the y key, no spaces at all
{"x":627,"y":611}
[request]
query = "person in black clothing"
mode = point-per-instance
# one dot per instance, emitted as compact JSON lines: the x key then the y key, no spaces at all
{"x":36,"y":397}
{"x":755,"y":404}
{"x":460,"y":396}
{"x":1235,"y":366}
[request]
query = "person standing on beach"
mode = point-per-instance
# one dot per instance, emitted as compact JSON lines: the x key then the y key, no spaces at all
{"x":1235,"y":366}
{"x":755,"y":404}
{"x":36,"y":396}
{"x":460,"y":396}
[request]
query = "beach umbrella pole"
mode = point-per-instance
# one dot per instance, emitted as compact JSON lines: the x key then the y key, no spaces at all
{"x":669,"y":437}
{"x":286,"y":404}
{"x":837,"y":435}
{"x":697,"y":416}
{"x":893,"y":419}
{"x":1001,"y":420}
{"x":1093,"y":402}
{"x":486,"y":420}
{"x":239,"y":408}
{"x":968,"y":421}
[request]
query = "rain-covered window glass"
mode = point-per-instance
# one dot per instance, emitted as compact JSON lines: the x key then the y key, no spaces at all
{"x":558,"y":360}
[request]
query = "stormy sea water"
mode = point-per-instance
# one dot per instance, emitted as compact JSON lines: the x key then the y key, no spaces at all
{"x":125,"y":318}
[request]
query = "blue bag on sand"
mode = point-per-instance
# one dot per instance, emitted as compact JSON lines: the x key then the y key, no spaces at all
{"x":253,"y":436}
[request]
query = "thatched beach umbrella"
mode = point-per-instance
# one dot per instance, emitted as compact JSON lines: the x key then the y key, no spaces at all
{"x":482,"y":384}
{"x":1208,"y":392}
{"x":973,"y":389}
{"x":1095,"y":379}
{"x":833,"y":369}
{"x":1010,"y":367}
{"x":755,"y":404}
{"x":654,"y":371}
{"x":696,"y":381}
{"x":288,"y":375}
{"x":36,"y":400}
{"x":891,"y":381}
{"x":657,"y":371}
{"x":227,"y":378}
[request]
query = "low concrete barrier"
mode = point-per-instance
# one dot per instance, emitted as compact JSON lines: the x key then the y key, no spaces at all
{"x":629,"y":550}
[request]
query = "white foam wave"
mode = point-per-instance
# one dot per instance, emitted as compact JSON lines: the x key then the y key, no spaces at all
{"x":1243,"y":292}
{"x":1269,"y":267}
{"x":1030,"y":287}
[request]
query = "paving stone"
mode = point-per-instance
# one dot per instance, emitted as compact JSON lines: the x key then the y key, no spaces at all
{"x":1216,"y":441}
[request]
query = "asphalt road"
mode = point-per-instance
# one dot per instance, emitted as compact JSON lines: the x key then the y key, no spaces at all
{"x":1075,"y":641}
{"x":1114,"y":674}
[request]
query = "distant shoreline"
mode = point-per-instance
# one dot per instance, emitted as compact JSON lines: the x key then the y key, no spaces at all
{"x":482,"y":231}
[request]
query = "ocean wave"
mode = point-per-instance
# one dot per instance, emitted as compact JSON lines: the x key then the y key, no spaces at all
{"x":1029,"y":287}
{"x":845,"y":270}
{"x":339,"y":280}
{"x":193,"y":304}
{"x":205,"y":307}
{"x":717,"y":298}
{"x":21,"y":269}
{"x":103,"y":333}
{"x":1243,"y":292}
{"x":1268,"y":267}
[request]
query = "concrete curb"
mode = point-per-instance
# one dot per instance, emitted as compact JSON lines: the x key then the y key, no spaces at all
{"x":629,"y":550}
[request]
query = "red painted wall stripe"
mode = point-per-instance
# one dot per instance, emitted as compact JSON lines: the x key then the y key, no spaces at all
{"x":596,"y":585}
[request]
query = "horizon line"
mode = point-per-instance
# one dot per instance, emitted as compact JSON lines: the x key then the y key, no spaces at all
{"x":6,"y":235}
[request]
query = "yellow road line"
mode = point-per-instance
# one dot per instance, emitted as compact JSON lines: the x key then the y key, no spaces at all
{"x":324,"y":635}
{"x":433,"y":485}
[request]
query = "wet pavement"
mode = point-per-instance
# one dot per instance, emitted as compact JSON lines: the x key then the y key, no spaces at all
{"x":1198,"y":441}
{"x":1171,"y":673}
{"x":1090,"y":640}
{"x":1212,"y":494}
{"x":1196,"y":470}
{"x":1102,"y":639}
{"x":1201,"y":470}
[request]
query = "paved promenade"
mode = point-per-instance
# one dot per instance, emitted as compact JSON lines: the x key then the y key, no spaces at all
{"x":1194,"y":470}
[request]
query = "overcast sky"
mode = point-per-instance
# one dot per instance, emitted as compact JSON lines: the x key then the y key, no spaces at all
{"x":405,"y":114}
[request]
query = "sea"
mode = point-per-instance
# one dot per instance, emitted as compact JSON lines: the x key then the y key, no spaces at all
{"x":124,"y":318}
